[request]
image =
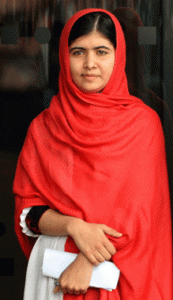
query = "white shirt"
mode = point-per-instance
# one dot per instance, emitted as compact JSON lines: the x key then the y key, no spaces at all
{"x":23,"y":224}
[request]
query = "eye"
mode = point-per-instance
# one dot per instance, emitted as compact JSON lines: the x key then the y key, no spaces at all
{"x":78,"y":53}
{"x":102,"y":52}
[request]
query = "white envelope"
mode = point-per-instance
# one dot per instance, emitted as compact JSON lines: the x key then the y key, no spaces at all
{"x":104,"y":276}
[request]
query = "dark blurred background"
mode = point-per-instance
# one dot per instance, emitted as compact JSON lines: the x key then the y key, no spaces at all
{"x":29,"y":69}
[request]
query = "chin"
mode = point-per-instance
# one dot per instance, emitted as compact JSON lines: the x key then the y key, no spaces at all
{"x":97,"y":90}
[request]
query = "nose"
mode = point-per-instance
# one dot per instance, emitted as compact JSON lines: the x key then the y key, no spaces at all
{"x":90,"y":61}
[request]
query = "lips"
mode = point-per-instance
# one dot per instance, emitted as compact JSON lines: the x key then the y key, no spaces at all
{"x":90,"y":76}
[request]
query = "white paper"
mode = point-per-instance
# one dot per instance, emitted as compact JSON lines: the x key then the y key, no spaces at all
{"x":104,"y":276}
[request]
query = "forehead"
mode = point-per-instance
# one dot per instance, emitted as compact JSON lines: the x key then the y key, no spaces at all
{"x":94,"y":38}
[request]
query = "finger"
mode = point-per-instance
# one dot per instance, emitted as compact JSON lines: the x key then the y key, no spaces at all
{"x":102,"y":254}
{"x":56,"y":289}
{"x":109,"y":247}
{"x":57,"y":286}
{"x":93,"y":260}
{"x":99,"y":257}
{"x":105,"y":253}
{"x":111,"y":231}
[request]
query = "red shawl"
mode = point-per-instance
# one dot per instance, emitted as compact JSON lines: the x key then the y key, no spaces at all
{"x":101,"y":157}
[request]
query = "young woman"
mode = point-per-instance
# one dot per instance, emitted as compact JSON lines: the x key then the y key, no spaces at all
{"x":96,"y":159}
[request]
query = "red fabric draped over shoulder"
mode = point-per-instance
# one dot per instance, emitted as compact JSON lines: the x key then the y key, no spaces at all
{"x":101,"y":157}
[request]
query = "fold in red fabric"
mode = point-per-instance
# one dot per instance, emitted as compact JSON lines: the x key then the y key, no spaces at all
{"x":101,"y":157}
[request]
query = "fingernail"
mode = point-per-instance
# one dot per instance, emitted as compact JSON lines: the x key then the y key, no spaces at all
{"x":120,"y":234}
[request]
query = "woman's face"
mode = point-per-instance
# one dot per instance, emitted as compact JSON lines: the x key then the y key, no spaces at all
{"x":92,"y":59}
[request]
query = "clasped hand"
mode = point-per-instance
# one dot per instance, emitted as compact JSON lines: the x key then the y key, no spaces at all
{"x":76,"y":278}
{"x":91,"y":240}
{"x":95,"y":248}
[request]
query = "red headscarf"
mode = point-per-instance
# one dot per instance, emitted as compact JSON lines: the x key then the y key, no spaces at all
{"x":101,"y":157}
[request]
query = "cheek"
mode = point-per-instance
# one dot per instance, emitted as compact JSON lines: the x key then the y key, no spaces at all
{"x":75,"y":69}
{"x":110,"y":67}
{"x":75,"y":73}
{"x":72,"y":69}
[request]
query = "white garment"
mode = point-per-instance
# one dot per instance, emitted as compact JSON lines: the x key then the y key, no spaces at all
{"x":25,"y":228}
{"x":37,"y":286}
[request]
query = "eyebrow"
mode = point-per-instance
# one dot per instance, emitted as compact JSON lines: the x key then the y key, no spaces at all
{"x":95,"y":48}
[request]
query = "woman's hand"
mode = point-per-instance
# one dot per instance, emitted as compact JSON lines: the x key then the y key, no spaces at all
{"x":76,"y":278}
{"x":91,"y":240}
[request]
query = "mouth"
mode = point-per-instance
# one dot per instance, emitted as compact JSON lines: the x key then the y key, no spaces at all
{"x":89,"y":76}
